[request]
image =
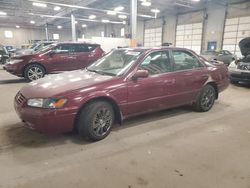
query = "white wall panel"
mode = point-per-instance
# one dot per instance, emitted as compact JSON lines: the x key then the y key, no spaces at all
{"x":189,"y":36}
{"x":153,"y":37}
{"x":236,"y":29}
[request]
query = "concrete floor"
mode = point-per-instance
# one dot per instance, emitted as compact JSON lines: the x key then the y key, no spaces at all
{"x":170,"y":149}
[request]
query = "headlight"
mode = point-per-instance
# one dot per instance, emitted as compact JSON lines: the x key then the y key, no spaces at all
{"x":14,"y":61}
{"x":47,"y":103}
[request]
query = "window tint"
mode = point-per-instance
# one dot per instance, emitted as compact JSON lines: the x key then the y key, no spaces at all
{"x":92,"y":47}
{"x":157,"y":63}
{"x":64,"y":48}
{"x":185,"y":60}
{"x":81,"y":48}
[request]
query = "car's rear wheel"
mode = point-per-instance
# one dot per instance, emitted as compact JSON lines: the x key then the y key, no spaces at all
{"x":96,"y":120}
{"x":34,"y":72}
{"x":205,"y":100}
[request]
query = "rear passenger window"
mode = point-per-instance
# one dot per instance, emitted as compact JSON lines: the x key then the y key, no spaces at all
{"x":185,"y":60}
{"x":157,"y":63}
{"x":92,"y":47}
{"x":81,"y":48}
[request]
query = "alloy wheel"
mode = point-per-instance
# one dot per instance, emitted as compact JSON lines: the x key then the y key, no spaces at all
{"x":35,"y":73}
{"x":102,"y":122}
{"x":208,"y":99}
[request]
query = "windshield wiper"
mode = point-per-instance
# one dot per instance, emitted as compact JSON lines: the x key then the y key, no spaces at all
{"x":100,"y":72}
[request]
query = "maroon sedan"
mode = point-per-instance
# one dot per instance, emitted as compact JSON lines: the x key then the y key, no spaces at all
{"x":54,"y":58}
{"x":124,"y":83}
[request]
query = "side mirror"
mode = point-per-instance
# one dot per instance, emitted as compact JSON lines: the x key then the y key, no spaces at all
{"x":140,"y":74}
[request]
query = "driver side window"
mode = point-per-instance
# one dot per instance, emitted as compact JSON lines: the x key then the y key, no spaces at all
{"x":64,"y":48}
{"x":157,"y":63}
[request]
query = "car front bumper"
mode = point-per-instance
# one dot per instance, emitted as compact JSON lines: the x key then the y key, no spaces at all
{"x":239,"y":75}
{"x":48,"y":121}
{"x":14,"y":69}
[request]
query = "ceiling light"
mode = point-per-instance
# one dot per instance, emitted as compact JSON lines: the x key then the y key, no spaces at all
{"x":122,"y":16}
{"x":76,"y":22}
{"x":17,"y":26}
{"x":105,"y":21}
{"x":84,"y":25}
{"x":59,"y":27}
{"x":124,"y":22}
{"x":110,"y":12}
{"x":57,"y":8}
{"x":3,"y":13}
{"x":39,"y":4}
{"x":92,"y":16}
{"x":196,"y":0}
{"x":155,"y":10}
{"x":32,"y":22}
{"x":120,"y":8}
{"x":146,"y":3}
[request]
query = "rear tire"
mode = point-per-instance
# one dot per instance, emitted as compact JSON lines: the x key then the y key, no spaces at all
{"x":34,"y":72}
{"x":96,"y":120}
{"x":205,"y":100}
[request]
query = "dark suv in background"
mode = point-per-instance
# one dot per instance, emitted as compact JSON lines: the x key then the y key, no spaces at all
{"x":54,"y":58}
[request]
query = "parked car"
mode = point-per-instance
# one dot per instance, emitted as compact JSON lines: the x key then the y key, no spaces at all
{"x":222,"y":55}
{"x":33,"y":48}
{"x":240,"y":69}
{"x":122,"y":84}
{"x":54,"y":58}
{"x":4,"y":55}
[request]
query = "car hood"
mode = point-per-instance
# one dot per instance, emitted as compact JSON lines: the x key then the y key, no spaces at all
{"x":54,"y":85}
{"x":244,"y":45}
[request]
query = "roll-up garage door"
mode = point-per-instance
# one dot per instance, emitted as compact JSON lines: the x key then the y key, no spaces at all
{"x":153,"y":37}
{"x":235,"y":30}
{"x":189,"y":36}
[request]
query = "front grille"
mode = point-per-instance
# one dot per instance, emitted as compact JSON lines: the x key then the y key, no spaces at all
{"x":244,"y":66}
{"x":20,"y":99}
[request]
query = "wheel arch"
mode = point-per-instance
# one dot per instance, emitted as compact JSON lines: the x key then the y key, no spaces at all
{"x":214,"y":85}
{"x":33,"y":63}
{"x":117,"y":110}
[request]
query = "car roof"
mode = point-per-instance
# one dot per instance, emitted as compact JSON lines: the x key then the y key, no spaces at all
{"x":70,"y":42}
{"x":144,"y":49}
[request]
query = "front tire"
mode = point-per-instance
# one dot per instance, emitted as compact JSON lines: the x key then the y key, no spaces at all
{"x":205,"y":100}
{"x":34,"y":72}
{"x":96,"y":120}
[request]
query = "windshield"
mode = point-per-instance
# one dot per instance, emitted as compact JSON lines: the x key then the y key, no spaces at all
{"x":115,"y":63}
{"x":33,"y":46}
{"x":45,"y":48}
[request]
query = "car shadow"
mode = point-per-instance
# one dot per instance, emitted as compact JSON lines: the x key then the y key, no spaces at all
{"x":13,"y":81}
{"x":17,"y":135}
{"x":151,"y":117}
{"x":242,"y":84}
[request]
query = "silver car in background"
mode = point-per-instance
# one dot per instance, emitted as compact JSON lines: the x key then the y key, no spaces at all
{"x":35,"y":47}
{"x":223,"y":55}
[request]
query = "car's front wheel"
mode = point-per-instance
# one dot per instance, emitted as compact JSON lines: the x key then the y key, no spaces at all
{"x":96,"y":120}
{"x":205,"y":100}
{"x":34,"y":72}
